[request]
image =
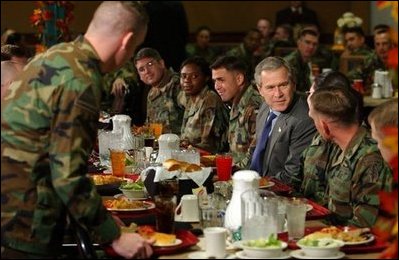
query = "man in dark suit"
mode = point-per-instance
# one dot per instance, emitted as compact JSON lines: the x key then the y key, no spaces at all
{"x":277,"y":153}
{"x":296,"y":14}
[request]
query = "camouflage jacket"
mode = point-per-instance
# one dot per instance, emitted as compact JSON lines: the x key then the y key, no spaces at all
{"x":366,"y":72}
{"x":354,"y":179}
{"x":325,"y":58}
{"x":205,"y":121}
{"x":302,"y":71}
{"x":48,"y":127}
{"x":242,"y":125}
{"x":315,"y":163}
{"x":163,"y":105}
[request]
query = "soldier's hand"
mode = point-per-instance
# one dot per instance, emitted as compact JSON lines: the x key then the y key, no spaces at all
{"x":132,"y":245}
{"x":119,"y":87}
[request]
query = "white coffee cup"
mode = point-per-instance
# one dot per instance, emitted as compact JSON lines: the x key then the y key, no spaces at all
{"x":215,"y":242}
{"x":187,"y":210}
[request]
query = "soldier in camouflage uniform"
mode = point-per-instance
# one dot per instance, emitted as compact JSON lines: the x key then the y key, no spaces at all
{"x":316,"y":157}
{"x":48,"y":127}
{"x":230,"y":76}
{"x":125,"y":94}
{"x":206,"y":118}
{"x":163,"y":105}
{"x":358,"y":172}
{"x":202,"y":46}
{"x":354,"y":42}
{"x":299,"y":59}
{"x":376,"y":60}
{"x":249,"y":51}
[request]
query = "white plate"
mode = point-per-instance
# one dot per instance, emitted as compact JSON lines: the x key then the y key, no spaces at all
{"x":202,"y":255}
{"x":176,"y":243}
{"x":268,"y":185}
{"x":148,"y":205}
{"x":301,"y":255}
{"x":120,"y":195}
{"x":370,"y":237}
{"x":309,"y":207}
{"x":242,"y":255}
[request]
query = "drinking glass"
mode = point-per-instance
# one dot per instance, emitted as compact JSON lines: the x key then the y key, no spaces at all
{"x":296,"y":215}
{"x":118,"y":158}
{"x":224,"y":166}
{"x":157,"y":129}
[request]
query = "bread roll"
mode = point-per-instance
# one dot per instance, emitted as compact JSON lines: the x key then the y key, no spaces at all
{"x":162,"y":239}
{"x":193,"y":168}
{"x":168,"y":164}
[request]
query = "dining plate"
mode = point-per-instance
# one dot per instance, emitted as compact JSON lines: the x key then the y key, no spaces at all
{"x":242,"y":255}
{"x":146,"y":206}
{"x":202,"y":255}
{"x":300,"y":254}
{"x":309,"y":207}
{"x":369,"y":237}
{"x":176,"y":243}
{"x":268,"y":185}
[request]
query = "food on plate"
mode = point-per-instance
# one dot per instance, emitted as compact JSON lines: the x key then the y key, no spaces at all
{"x":263,"y":182}
{"x":123,"y":203}
{"x":208,"y":160}
{"x":161,"y":239}
{"x":175,"y":165}
{"x":130,"y":185}
{"x":271,"y":242}
{"x":319,"y":242}
{"x":105,"y":179}
{"x":336,"y":233}
{"x":132,"y":228}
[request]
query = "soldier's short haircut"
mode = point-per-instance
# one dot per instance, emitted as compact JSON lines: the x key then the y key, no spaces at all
{"x":385,"y":115}
{"x":147,"y":53}
{"x":273,"y":63}
{"x":231,"y":63}
{"x":200,"y":62}
{"x":12,"y":50}
{"x":358,"y":30}
{"x":308,"y":31}
{"x":337,"y":103}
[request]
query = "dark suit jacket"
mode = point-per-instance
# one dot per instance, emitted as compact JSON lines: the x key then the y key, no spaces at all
{"x":291,"y":134}
{"x":286,"y":15}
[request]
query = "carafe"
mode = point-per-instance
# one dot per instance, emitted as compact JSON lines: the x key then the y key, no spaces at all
{"x":242,"y":181}
{"x":121,"y":125}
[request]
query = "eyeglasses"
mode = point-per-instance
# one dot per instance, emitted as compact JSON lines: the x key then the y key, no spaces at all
{"x":308,"y":93}
{"x":190,"y":76}
{"x":282,"y":86}
{"x":146,"y":66}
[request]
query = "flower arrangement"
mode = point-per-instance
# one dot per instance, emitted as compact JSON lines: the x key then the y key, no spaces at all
{"x":51,"y":18}
{"x":348,"y":19}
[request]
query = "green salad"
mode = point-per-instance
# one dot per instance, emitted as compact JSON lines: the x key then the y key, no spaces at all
{"x":139,"y":185}
{"x":318,"y":242}
{"x":271,"y":242}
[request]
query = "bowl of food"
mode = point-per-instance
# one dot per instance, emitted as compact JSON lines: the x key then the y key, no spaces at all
{"x":133,"y":190}
{"x":263,"y":247}
{"x":323,"y":247}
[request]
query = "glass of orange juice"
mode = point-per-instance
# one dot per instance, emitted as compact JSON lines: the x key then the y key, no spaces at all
{"x":157,"y":129}
{"x":118,"y":158}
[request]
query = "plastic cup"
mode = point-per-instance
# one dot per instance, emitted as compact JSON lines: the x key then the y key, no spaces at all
{"x":296,"y":216}
{"x":224,"y":166}
{"x":157,"y":129}
{"x":118,"y":158}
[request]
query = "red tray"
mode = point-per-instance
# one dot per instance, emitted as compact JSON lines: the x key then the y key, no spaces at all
{"x":318,"y":211}
{"x":377,"y":245}
{"x":188,"y":240}
{"x":279,"y":187}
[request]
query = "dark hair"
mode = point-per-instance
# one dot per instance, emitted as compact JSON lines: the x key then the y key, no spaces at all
{"x":358,"y":30}
{"x":231,"y":63}
{"x":200,"y":62}
{"x":338,"y":103}
{"x":147,"y":53}
{"x":381,"y":26}
{"x":14,"y":39}
{"x":13,"y":50}
{"x":310,"y":32}
{"x":287,"y":29}
{"x":202,"y":28}
{"x":337,"y":79}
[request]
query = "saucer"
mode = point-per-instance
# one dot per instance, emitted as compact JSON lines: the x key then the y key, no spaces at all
{"x":202,"y":255}
{"x":301,"y":255}
{"x":178,"y":219}
{"x":242,"y":255}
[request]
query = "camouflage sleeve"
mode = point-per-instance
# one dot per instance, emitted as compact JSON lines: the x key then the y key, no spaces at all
{"x":72,"y":135}
{"x":250,"y":119}
{"x":371,"y":176}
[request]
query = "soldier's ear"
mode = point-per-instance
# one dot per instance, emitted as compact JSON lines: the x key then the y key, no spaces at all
{"x":127,"y":40}
{"x":240,"y":78}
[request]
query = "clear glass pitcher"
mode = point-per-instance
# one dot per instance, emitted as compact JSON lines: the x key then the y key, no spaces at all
{"x":259,"y":214}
